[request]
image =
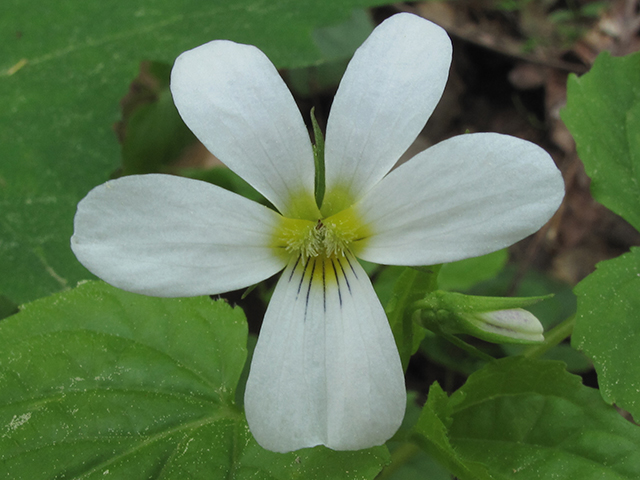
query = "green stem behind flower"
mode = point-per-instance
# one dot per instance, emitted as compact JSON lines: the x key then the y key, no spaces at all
{"x":318,"y":156}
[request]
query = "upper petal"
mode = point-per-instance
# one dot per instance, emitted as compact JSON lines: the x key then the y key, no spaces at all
{"x":388,"y":92}
{"x":326,"y":368}
{"x":233,"y":99}
{"x":464,"y":197}
{"x":174,"y":237}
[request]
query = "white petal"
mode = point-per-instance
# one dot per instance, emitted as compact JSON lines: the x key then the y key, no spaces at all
{"x":233,"y":99}
{"x":388,"y":92}
{"x":467,"y":196}
{"x":326,"y":369}
{"x":174,"y":237}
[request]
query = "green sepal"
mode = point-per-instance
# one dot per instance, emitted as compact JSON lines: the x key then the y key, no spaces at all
{"x":248,"y":291}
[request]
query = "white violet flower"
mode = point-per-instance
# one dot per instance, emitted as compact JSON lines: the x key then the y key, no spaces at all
{"x":326,"y":369}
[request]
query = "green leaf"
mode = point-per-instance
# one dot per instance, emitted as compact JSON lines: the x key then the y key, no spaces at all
{"x":411,"y":286}
{"x":385,"y":280}
{"x":608,"y":328}
{"x":414,"y":464}
{"x":408,"y":461}
{"x":153,"y":134}
{"x":99,"y":383}
{"x":603,"y":115}
{"x":225,"y":178}
{"x":533,"y":420}
{"x":431,"y":433}
{"x":64,"y":66}
{"x":576,"y":362}
{"x":7,"y":307}
{"x":337,"y":44}
{"x":464,"y":274}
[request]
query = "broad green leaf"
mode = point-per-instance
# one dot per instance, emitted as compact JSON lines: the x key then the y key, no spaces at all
{"x":408,"y":461}
{"x":7,"y":307}
{"x":152,"y":133}
{"x":575,"y":361}
{"x":466,"y":273}
{"x":603,"y":115}
{"x":608,"y":328}
{"x":65,"y":65}
{"x":99,"y":383}
{"x":411,"y":286}
{"x":337,"y":44}
{"x":414,"y":464}
{"x":431,"y":433}
{"x":531,"y":420}
{"x":385,"y":280}
{"x":225,"y":178}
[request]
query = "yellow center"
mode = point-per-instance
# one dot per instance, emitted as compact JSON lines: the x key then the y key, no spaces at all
{"x":330,"y":237}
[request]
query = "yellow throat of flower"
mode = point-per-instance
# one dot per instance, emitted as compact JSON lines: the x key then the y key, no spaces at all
{"x":335,"y":236}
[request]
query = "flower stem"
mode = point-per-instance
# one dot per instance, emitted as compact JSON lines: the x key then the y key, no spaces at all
{"x":467,"y":348}
{"x":555,"y":336}
{"x":318,"y":155}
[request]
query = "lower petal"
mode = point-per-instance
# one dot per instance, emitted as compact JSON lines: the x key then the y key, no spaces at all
{"x":326,"y":369}
{"x":169,"y":236}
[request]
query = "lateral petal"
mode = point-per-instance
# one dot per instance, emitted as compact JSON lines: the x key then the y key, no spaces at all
{"x":233,"y":99}
{"x":388,"y":92}
{"x":169,"y":236}
{"x":464,"y":197}
{"x":326,"y":370}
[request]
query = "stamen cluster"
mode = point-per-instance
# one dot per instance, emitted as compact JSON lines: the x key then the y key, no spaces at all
{"x":324,"y":239}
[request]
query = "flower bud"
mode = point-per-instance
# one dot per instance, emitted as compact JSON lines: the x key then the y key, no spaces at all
{"x":515,"y":325}
{"x":494,"y":319}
